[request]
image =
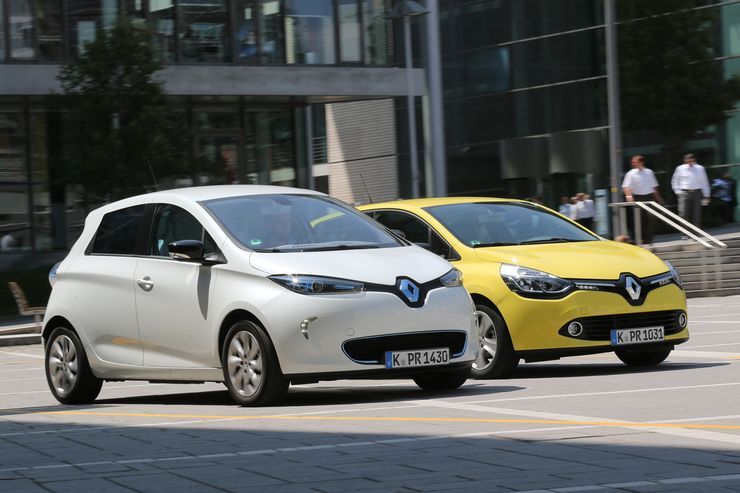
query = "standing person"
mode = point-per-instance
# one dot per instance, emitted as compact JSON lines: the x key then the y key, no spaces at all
{"x":691,"y":186}
{"x":585,"y":210}
{"x":640,"y":185}
{"x":565,"y":206}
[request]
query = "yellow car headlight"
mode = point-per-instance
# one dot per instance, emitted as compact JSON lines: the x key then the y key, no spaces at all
{"x":533,"y":283}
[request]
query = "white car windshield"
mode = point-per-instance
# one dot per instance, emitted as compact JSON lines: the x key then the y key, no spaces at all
{"x":289,"y":223}
{"x":483,"y":224}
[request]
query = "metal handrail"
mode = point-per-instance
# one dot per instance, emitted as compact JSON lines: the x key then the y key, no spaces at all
{"x":668,"y":217}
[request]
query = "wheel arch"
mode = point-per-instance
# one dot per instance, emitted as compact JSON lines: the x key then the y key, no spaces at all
{"x":480,"y":299}
{"x":230,"y":319}
{"x":53,"y":323}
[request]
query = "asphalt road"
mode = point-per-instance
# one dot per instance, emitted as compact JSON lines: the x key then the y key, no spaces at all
{"x":579,"y":424}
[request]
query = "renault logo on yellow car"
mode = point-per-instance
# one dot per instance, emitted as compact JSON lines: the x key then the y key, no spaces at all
{"x":409,"y":290}
{"x":633,"y":288}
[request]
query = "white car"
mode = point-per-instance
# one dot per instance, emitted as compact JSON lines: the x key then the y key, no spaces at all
{"x":254,"y":286}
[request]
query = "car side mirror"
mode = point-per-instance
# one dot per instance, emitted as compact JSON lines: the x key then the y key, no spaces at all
{"x":398,"y":233}
{"x":186,"y":250}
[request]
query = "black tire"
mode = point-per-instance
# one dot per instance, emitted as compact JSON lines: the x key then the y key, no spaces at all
{"x":71,"y":380}
{"x":637,"y":358}
{"x":437,"y":381}
{"x":505,"y":360}
{"x":261,"y":368}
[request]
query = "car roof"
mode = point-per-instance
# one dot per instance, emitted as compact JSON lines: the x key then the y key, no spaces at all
{"x":210,"y":192}
{"x":429,"y":202}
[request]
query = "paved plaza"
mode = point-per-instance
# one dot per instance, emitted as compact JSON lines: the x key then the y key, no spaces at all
{"x":578,"y":424}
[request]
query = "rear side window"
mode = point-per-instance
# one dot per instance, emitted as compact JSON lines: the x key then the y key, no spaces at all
{"x":118,"y":231}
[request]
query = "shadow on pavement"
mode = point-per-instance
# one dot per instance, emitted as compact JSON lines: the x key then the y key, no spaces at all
{"x":302,"y":395}
{"x":544,"y":370}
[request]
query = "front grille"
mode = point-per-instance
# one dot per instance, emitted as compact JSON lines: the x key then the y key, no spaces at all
{"x":371,"y":350}
{"x":599,"y":328}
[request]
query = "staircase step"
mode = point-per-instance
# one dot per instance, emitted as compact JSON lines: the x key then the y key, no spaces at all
{"x":706,"y":293}
{"x":20,"y":329}
{"x":19,"y":339}
{"x":686,"y":270}
{"x":711,"y":284}
{"x":711,"y":276}
{"x":696,"y":253}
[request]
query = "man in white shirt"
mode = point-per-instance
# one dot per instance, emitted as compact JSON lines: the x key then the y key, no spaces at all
{"x":640,"y":185}
{"x":691,"y":186}
{"x":584,"y":210}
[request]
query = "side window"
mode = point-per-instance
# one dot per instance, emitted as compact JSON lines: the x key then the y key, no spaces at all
{"x":415,"y":230}
{"x":118,"y":231}
{"x":440,"y":247}
{"x":172,"y":223}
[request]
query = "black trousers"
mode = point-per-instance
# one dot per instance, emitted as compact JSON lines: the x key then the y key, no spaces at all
{"x":647,"y":221}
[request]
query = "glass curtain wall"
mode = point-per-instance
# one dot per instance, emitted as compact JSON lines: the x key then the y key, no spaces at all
{"x":205,"y":31}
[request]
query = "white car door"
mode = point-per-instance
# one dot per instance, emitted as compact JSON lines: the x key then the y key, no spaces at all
{"x":102,"y":288}
{"x":173,"y":297}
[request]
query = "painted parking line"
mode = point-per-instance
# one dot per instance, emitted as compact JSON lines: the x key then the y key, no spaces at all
{"x":687,"y":430}
{"x":24,"y":355}
{"x":715,"y":345}
{"x":414,"y":419}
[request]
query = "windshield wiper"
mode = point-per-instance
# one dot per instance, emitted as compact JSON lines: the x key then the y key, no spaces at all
{"x":483,"y":245}
{"x":552,"y":240}
{"x":341,"y":246}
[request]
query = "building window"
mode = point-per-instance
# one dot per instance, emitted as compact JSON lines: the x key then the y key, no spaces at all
{"x":246,"y":31}
{"x":204,"y":31}
{"x":376,"y":31}
{"x":309,"y":31}
{"x":15,"y":226}
{"x":20,"y":23}
{"x":271,"y":33}
{"x":350,"y":31}
{"x":49,"y":23}
{"x":163,"y":27}
{"x":84,"y":17}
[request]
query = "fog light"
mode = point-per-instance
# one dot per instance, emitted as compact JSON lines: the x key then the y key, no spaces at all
{"x":575,"y":329}
{"x":682,"y":320}
{"x":304,"y":326}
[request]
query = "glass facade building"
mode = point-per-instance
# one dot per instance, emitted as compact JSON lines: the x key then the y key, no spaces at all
{"x":236,"y":136}
{"x":524,"y":88}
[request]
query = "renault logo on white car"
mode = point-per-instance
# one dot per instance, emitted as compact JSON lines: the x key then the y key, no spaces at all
{"x":409,"y":290}
{"x":633,"y":288}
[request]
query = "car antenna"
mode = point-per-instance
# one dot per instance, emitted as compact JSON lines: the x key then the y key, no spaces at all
{"x":154,"y":178}
{"x":366,"y":191}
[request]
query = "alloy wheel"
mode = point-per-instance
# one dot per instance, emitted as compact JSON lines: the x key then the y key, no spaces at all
{"x":244,"y":362}
{"x":487,"y":341}
{"x":63,"y":364}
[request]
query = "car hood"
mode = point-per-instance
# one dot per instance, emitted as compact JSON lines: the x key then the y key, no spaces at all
{"x":377,"y":265}
{"x":581,"y":260}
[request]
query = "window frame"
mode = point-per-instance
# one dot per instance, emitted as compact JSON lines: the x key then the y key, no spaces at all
{"x":453,"y":255}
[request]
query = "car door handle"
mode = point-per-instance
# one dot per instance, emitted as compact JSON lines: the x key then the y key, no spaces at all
{"x":146,"y":283}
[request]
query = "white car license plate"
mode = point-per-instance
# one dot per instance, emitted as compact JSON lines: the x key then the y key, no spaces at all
{"x":417,"y":357}
{"x":637,"y":336}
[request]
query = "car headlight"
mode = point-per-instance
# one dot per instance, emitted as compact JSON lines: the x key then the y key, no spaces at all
{"x":674,"y":274}
{"x":452,"y":279}
{"x":305,"y":284}
{"x":53,"y":274}
{"x":534,"y":283}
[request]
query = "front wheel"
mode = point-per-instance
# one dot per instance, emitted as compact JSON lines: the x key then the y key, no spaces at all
{"x":440,"y":381}
{"x":496,"y":356}
{"x":67,"y":371}
{"x":632,"y":357}
{"x":251,"y":369}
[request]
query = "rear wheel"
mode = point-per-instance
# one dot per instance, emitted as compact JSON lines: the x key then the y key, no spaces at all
{"x":67,"y":371}
{"x":251,"y":369}
{"x":439,"y":381}
{"x":496,"y":356}
{"x":632,"y":357}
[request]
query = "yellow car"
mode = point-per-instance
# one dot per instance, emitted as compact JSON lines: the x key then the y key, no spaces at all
{"x":545,"y":287}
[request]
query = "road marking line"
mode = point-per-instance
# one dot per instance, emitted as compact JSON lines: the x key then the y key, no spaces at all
{"x":547,"y":418}
{"x":25,"y":355}
{"x":606,"y":392}
{"x":696,"y":431}
{"x":703,"y":418}
{"x":711,"y":332}
{"x":687,"y":353}
{"x":713,"y":345}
